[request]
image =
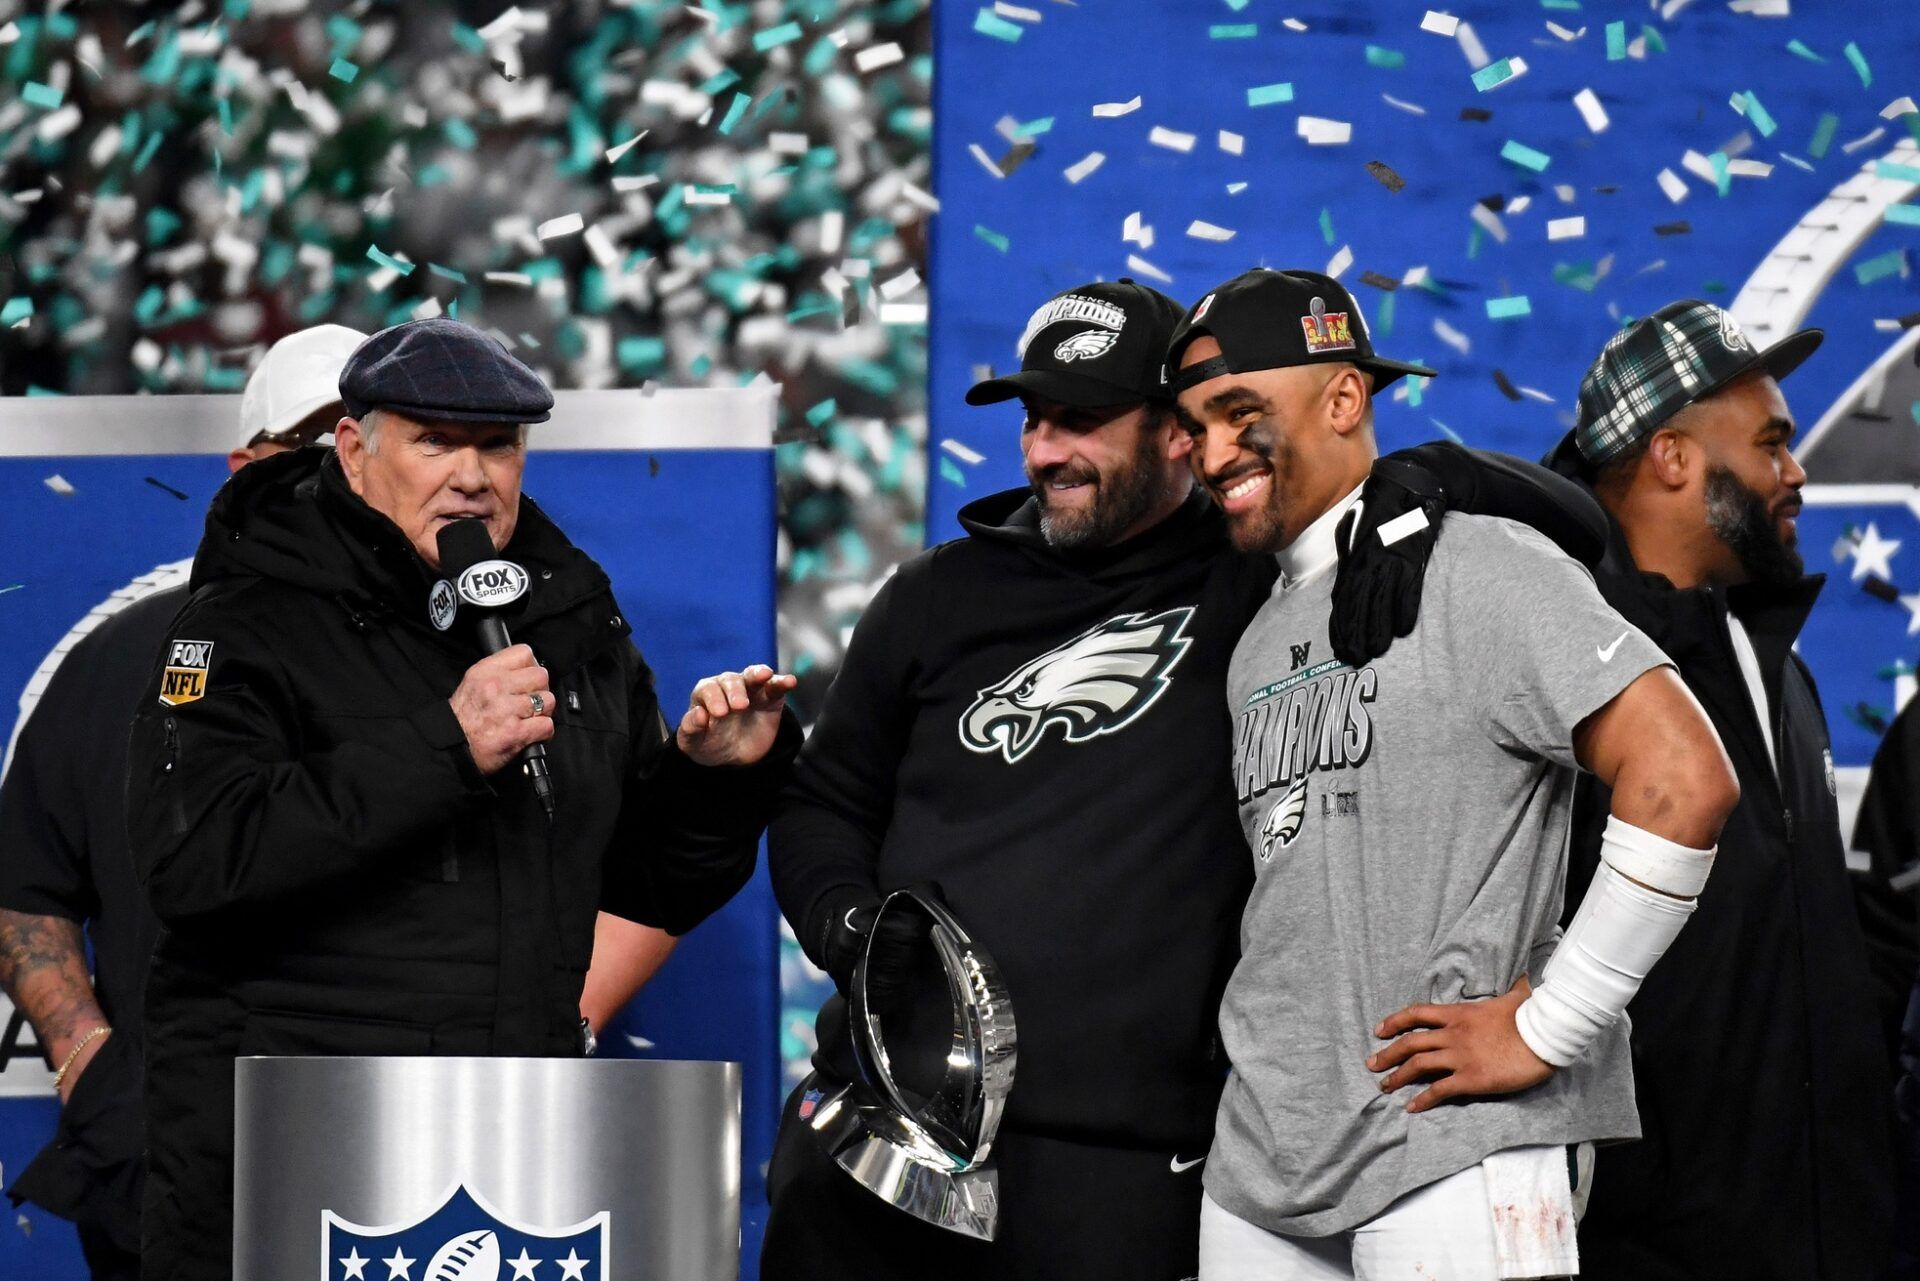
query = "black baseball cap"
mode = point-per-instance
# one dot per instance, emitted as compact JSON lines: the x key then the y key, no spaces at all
{"x":1658,"y":365}
{"x":1092,"y":345}
{"x":1266,"y":319}
{"x":440,"y":370}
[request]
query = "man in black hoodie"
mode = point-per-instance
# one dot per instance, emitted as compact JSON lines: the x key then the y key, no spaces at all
{"x":1032,"y":718}
{"x":1760,"y":1069}
{"x":319,"y":801}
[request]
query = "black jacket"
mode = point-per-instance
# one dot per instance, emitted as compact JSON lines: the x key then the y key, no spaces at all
{"x":1083,"y":829}
{"x":332,"y":873}
{"x":63,"y":852}
{"x":1761,"y":1074}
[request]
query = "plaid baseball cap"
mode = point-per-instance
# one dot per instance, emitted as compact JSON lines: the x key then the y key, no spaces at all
{"x":440,"y":370}
{"x":1662,"y":363}
{"x":1266,"y":319}
{"x":1092,"y":345}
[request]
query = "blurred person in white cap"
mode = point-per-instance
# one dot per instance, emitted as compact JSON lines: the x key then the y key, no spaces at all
{"x":66,"y":875}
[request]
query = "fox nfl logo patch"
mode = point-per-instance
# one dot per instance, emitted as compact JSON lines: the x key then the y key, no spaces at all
{"x":185,"y":678}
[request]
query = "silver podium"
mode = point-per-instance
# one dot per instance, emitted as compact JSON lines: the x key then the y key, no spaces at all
{"x":479,"y":1169}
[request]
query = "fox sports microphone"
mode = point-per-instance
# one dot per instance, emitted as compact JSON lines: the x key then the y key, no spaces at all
{"x":474,"y":574}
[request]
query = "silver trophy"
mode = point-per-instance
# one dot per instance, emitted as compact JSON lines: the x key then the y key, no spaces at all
{"x":929,"y":1160}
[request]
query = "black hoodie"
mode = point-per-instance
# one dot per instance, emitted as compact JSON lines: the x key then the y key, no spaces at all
{"x":331,"y":872}
{"x":1044,"y":735}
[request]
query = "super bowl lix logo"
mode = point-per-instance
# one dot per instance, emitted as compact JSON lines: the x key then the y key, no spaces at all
{"x":1326,"y":330}
{"x":464,"y":1240}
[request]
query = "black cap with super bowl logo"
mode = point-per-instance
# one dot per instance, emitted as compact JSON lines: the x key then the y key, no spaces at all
{"x":440,"y":370}
{"x":1265,"y":319}
{"x":1092,"y":345}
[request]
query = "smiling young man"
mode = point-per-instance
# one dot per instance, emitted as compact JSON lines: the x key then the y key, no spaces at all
{"x":1406,"y":821}
{"x":1684,"y":434}
{"x":320,"y":804}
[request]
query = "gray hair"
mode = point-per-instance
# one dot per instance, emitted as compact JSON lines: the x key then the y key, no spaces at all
{"x":374,"y":419}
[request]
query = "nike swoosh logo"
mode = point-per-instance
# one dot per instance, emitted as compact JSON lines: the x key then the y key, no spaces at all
{"x":1180,"y":1167}
{"x":1606,"y":655}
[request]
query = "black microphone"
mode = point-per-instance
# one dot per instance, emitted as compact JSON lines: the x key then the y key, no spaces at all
{"x":484,"y":582}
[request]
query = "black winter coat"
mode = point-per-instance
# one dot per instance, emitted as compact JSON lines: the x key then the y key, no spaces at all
{"x":1761,"y":1073}
{"x":331,"y":872}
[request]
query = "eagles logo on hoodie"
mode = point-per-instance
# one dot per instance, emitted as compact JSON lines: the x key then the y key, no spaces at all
{"x":1096,"y":683}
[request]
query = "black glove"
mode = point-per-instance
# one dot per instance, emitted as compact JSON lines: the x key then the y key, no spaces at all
{"x":845,"y":922}
{"x":1376,"y":596}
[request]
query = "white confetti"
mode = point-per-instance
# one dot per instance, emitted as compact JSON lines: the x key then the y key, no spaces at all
{"x":1232,"y":143}
{"x":1452,"y":337}
{"x":637,"y":183}
{"x":1564,"y":34}
{"x":601,"y":246}
{"x":1171,"y":139}
{"x":1748,"y":168}
{"x":1235,"y":188}
{"x":1138,"y":264}
{"x":614,"y":153}
{"x":1015,"y":12}
{"x":1898,"y":107}
{"x":1470,"y":46}
{"x":9,"y":33}
{"x":789,"y":144}
{"x":1564,"y":190}
{"x":1338,"y":264}
{"x":427,"y":310}
{"x":1411,"y":108}
{"x":880,"y":55}
{"x":1085,"y":165}
{"x":58,"y":124}
{"x":60,"y":485}
{"x":1796,"y":161}
{"x":564,"y":225}
{"x":1293,"y":24}
{"x":1675,"y":6}
{"x":1864,"y":140}
{"x":1534,"y":393}
{"x":1517,"y":206}
{"x":979,"y":153}
{"x":1700,"y":167}
{"x":1763,"y":8}
{"x":1416,"y":276}
{"x":1135,"y":232}
{"x":903,"y":313}
{"x":1320,"y":132}
{"x":1566,"y":228}
{"x":509,"y":278}
{"x":1207,"y":231}
{"x":1670,"y":183}
{"x":1489,"y":222}
{"x":901,"y":285}
{"x":1441,"y":24}
{"x":1591,"y":111}
{"x":925,"y":199}
{"x":1111,"y":110}
{"x":971,"y":457}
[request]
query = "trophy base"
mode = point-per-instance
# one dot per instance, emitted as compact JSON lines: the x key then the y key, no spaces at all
{"x":905,"y":1169}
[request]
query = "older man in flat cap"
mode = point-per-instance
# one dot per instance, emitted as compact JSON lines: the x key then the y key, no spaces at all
{"x":320,"y":800}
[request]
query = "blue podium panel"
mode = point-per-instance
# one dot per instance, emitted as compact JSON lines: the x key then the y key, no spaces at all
{"x":672,"y":493}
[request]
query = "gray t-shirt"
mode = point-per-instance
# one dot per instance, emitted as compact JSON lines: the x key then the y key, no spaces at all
{"x":1408,"y":824}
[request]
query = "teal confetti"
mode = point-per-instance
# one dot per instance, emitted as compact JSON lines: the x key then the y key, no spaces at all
{"x":226,"y":119}
{"x":725,"y":78}
{"x":460,"y":134}
{"x":1890,"y":263}
{"x":1722,"y":174}
{"x":1493,"y":74}
{"x":1656,"y":43}
{"x":1384,"y":58}
{"x":1616,"y":41}
{"x":1033,"y":128}
{"x":1904,"y":215}
{"x":1508,"y":308}
{"x":1233,"y":31}
{"x":989,"y":23}
{"x":1859,"y":61}
{"x":1800,"y":50}
{"x":35,"y":94}
{"x":1267,"y":95}
{"x":1758,"y":114}
{"x":774,"y":37}
{"x":161,"y":223}
{"x":641,"y":355}
{"x":950,"y":472}
{"x":1568,"y":6}
{"x":1914,"y":409}
{"x":146,"y":151}
{"x":467,"y":38}
{"x":1446,"y":431}
{"x":992,"y":237}
{"x":1524,"y":156}
{"x":11,"y":587}
{"x":737,"y":109}
{"x":823,"y":412}
{"x":1823,"y":135}
{"x":1898,"y":172}
{"x":17,"y":309}
{"x":447,"y":273}
{"x":1383,"y":318}
{"x":806,"y":310}
{"x":1237,"y":5}
{"x":343,"y":71}
{"x":387,"y":260}
{"x":1326,"y":225}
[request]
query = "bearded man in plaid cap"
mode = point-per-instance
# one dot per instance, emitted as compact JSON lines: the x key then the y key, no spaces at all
{"x":1763,"y":1080}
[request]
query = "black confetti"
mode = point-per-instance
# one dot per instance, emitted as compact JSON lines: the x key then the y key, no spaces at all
{"x":169,"y":488}
{"x":1388,"y":178}
{"x":1681,"y":228}
{"x":1506,"y":386}
{"x":1479,"y":115}
{"x":1379,"y":281}
{"x":1872,"y":719}
{"x":1878,"y":586}
{"x":1909,"y":320}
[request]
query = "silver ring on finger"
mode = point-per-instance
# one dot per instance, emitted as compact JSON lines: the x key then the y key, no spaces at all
{"x":539,"y":704}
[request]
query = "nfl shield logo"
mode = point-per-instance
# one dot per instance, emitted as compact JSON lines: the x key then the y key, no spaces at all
{"x":464,"y":1240}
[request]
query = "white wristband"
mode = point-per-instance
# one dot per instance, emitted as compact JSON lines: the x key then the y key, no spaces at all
{"x":1621,"y":929}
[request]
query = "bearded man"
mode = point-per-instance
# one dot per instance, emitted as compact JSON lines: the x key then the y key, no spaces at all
{"x":1762,"y":1075}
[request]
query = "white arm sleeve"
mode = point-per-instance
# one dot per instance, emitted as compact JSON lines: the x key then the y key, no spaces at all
{"x":1621,"y":929}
